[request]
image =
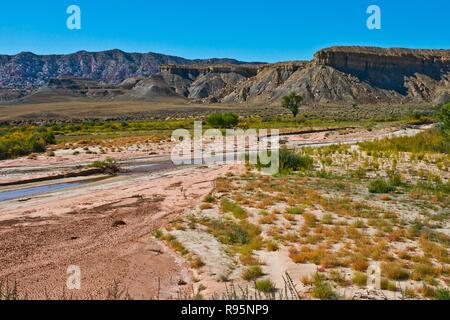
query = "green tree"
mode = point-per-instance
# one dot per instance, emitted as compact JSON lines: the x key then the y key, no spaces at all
{"x":444,"y":116}
{"x":222,"y":120}
{"x":292,"y":102}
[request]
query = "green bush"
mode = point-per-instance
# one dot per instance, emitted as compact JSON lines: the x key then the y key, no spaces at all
{"x":229,"y":232}
{"x":252,"y":273}
{"x":292,"y":102}
{"x":442,"y":294}
{"x":293,"y":161}
{"x":444,"y":116}
{"x":23,"y":141}
{"x":381,"y":186}
{"x":108,"y":166}
{"x":360,"y":279}
{"x":321,"y":289}
{"x":265,"y":285}
{"x":222,"y":120}
{"x":237,"y":211}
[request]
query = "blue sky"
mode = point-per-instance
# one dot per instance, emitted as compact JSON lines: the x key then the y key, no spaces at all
{"x":265,"y":30}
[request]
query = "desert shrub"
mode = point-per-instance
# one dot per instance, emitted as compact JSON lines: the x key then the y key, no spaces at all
{"x":294,"y":161}
{"x":422,"y":270}
{"x":359,"y":279}
{"x":310,"y":219}
{"x":380,"y":186}
{"x":359,"y":263}
{"x":249,"y":260}
{"x":222,"y":120}
{"x":338,"y":277}
{"x":108,"y":166}
{"x":327,"y":218}
{"x":394,"y":271}
{"x":237,"y":211}
{"x":267,"y":219}
{"x":294,"y":210}
{"x":229,"y":232}
{"x":322,"y":289}
{"x":385,"y":284}
{"x":158,"y":234}
{"x":442,"y":294}
{"x":178,"y":246}
{"x":196,"y":262}
{"x":265,"y":285}
{"x":209,"y":198}
{"x":444,"y":117}
{"x":272,"y":246}
{"x":252,"y":273}
{"x":23,"y":141}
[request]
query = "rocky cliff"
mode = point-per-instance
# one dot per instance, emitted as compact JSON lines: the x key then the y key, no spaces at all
{"x":339,"y":75}
{"x":386,"y":68}
{"x":28,"y":70}
{"x":355,"y":75}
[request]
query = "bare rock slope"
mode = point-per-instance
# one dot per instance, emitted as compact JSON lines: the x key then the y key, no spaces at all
{"x":338,"y":75}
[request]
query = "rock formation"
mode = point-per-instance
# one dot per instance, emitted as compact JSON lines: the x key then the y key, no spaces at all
{"x":338,"y":75}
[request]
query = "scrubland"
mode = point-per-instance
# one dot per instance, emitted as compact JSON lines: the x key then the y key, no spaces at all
{"x":332,"y":214}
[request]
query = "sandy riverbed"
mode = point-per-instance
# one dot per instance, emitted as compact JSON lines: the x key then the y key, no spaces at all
{"x":106,"y":227}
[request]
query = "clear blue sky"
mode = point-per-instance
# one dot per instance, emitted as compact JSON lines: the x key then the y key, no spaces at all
{"x":264,"y":30}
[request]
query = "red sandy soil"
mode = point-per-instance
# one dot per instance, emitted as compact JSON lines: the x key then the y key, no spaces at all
{"x":40,"y":238}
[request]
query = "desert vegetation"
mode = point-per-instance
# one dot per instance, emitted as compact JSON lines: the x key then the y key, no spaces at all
{"x":15,"y":142}
{"x":339,"y":211}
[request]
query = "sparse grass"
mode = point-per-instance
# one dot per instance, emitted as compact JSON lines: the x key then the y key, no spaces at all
{"x":265,"y":285}
{"x":322,"y":289}
{"x":394,"y":271}
{"x":268,"y":219}
{"x":272,"y":246}
{"x":232,"y":233}
{"x":359,"y":279}
{"x":196,"y":262}
{"x":237,"y":211}
{"x":310,"y":219}
{"x":175,"y":244}
{"x":380,"y":186}
{"x":359,"y":263}
{"x":442,"y":294}
{"x":252,"y":273}
{"x":330,"y":220}
{"x":327,"y":218}
{"x":431,"y":140}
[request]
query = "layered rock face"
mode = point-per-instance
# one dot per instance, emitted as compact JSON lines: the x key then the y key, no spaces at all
{"x":211,"y":82}
{"x":386,"y":68}
{"x":338,"y":75}
{"x":27,"y":70}
{"x":362,"y":75}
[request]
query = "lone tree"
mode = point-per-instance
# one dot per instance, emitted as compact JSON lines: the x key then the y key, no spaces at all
{"x":444,"y":116}
{"x":292,"y":102}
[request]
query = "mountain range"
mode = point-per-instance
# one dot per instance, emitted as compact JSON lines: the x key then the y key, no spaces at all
{"x":338,"y":75}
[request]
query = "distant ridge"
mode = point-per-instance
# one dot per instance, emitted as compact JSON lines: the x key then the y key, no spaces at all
{"x":338,"y":75}
{"x":27,"y":70}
